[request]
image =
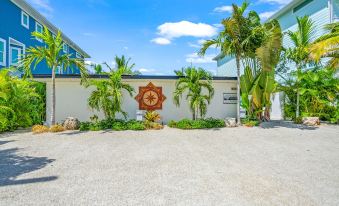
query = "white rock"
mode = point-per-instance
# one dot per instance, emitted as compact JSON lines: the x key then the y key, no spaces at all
{"x":311,"y":121}
{"x":71,"y":123}
{"x":230,"y":122}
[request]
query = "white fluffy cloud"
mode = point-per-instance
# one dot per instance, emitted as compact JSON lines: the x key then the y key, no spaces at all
{"x":186,"y":28}
{"x":224,"y":9}
{"x":196,"y":59}
{"x":161,"y":41}
{"x":169,"y":31}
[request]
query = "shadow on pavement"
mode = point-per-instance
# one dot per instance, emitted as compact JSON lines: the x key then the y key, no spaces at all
{"x":13,"y":165}
{"x":286,"y":124}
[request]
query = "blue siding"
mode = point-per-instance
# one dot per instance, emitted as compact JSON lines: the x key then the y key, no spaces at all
{"x":11,"y":27}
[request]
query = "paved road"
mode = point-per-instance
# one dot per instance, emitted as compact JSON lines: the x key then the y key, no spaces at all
{"x":275,"y":165}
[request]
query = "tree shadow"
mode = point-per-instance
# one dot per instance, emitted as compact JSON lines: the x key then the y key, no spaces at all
{"x":5,"y":142}
{"x":286,"y":124}
{"x":13,"y":165}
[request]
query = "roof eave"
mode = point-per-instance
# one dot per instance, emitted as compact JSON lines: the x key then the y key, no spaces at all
{"x":36,"y":15}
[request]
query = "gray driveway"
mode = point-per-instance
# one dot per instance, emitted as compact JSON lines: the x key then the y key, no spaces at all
{"x":275,"y":165}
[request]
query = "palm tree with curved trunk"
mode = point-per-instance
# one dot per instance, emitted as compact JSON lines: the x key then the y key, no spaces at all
{"x":302,"y":40}
{"x":196,"y":82}
{"x":52,"y":54}
{"x":232,"y":40}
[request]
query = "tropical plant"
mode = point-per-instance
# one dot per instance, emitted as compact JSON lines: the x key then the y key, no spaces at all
{"x":327,"y":46}
{"x":197,"y":124}
{"x":299,"y":54}
{"x":51,"y":54}
{"x":152,"y":116}
{"x":21,"y":103}
{"x":108,"y":95}
{"x":241,"y":37}
{"x":98,"y":69}
{"x":258,"y":81}
{"x":122,"y":62}
{"x":198,"y":85}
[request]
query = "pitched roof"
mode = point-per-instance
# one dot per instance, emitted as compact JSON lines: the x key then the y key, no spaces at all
{"x":37,"y":16}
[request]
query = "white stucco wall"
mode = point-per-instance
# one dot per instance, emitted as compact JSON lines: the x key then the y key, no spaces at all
{"x":71,"y":100}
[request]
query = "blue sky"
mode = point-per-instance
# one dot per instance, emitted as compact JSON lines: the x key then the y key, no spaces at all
{"x":159,"y":35}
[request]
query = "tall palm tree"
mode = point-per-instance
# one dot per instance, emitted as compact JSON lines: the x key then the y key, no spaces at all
{"x":125,"y":63}
{"x":327,"y":46}
{"x":194,"y":82}
{"x":108,"y":93}
{"x":230,"y":41}
{"x":52,"y":54}
{"x":301,"y":39}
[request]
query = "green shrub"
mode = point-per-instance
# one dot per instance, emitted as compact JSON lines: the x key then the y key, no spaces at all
{"x":298,"y":120}
{"x":135,"y":125}
{"x":85,"y":126}
{"x":197,"y":124}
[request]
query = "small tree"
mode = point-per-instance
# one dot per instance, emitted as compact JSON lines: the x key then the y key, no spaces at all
{"x":108,"y":93}
{"x":52,"y":54}
{"x":194,"y":82}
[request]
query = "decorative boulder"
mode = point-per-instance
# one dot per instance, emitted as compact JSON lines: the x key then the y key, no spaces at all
{"x":311,"y":121}
{"x":71,"y":123}
{"x":230,"y":122}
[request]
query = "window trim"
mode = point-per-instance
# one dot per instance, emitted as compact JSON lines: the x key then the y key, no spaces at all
{"x":17,"y":43}
{"x":65,"y":48}
{"x":22,"y":19}
{"x":36,"y":30}
{"x":10,"y":54}
{"x":4,"y":53}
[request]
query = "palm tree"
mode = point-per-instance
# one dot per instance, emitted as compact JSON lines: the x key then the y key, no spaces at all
{"x":122,"y":62}
{"x":230,"y":41}
{"x":327,"y":46}
{"x":194,"y":82}
{"x":299,"y":54}
{"x":51,"y":53}
{"x":108,"y":93}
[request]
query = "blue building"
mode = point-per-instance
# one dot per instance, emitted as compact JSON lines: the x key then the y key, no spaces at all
{"x":321,"y":12}
{"x":18,"y":22}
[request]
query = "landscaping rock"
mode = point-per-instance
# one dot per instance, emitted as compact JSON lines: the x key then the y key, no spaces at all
{"x":230,"y":122}
{"x":71,"y":123}
{"x":311,"y":121}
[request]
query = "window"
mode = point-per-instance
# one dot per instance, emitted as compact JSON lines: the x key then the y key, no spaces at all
{"x":2,"y":52}
{"x":38,"y":28}
{"x":15,"y":55}
{"x":65,"y":48}
{"x":302,"y":5}
{"x":16,"y":51}
{"x":78,"y":55}
{"x":24,"y":20}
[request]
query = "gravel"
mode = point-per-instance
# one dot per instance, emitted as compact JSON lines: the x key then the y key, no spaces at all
{"x":277,"y":164}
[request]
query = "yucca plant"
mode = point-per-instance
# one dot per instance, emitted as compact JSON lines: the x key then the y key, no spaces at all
{"x":198,"y":85}
{"x":152,"y":116}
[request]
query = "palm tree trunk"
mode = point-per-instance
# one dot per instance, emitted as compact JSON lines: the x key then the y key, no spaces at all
{"x":53,"y":97}
{"x":298,"y":94}
{"x":238,"y":89}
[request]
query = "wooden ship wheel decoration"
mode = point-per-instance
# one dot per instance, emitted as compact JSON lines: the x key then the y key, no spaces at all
{"x":150,"y":97}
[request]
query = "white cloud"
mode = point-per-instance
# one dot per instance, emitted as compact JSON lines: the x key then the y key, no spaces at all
{"x":144,"y":70}
{"x":186,"y":28}
{"x":196,"y":59}
{"x":161,"y":41}
{"x":266,"y":15}
{"x":281,"y":2}
{"x":125,"y":48}
{"x":224,"y":9}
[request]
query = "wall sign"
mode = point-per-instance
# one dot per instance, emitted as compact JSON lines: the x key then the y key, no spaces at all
{"x":150,"y":97}
{"x":230,"y":98}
